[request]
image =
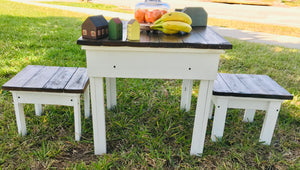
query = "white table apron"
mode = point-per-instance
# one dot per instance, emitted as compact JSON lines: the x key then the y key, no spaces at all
{"x":154,"y":63}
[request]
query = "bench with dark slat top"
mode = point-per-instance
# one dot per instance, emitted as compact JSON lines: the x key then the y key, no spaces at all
{"x":49,"y":79}
{"x":49,"y":85}
{"x":249,"y":92}
{"x":247,"y":85}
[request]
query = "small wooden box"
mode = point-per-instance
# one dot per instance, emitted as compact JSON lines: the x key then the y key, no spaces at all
{"x":94,"y":27}
{"x":133,"y":30}
{"x":115,"y":29}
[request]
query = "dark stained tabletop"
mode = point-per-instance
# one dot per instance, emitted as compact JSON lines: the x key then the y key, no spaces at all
{"x":49,"y":79}
{"x":249,"y":85}
{"x":199,"y":37}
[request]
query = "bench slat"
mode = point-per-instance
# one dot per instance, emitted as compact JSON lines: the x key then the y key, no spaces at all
{"x":247,"y":85}
{"x":274,"y":89}
{"x":21,"y":78}
{"x":60,"y":79}
{"x":220,"y":85}
{"x":234,"y":83}
{"x":39,"y":80}
{"x":78,"y":81}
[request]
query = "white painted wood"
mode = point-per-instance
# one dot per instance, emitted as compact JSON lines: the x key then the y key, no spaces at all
{"x":39,"y":98}
{"x":162,"y":63}
{"x":186,"y":95}
{"x":249,"y":115}
{"x":269,"y":122}
{"x":272,"y":107}
{"x":46,"y":98}
{"x":98,"y":113}
{"x":111,"y":92}
{"x":130,"y":62}
{"x":20,"y":117}
{"x":201,"y":117}
{"x":211,"y":108}
{"x":38,"y":109}
{"x":86,"y":96}
{"x":219,"y":119}
{"x":246,"y":102}
{"x":77,"y":118}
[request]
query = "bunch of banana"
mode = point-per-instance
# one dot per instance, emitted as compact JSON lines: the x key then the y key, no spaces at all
{"x":173,"y":22}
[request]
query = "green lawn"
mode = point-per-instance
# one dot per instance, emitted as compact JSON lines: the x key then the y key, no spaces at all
{"x":147,"y":129}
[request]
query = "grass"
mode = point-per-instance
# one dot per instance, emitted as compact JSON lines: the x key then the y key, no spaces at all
{"x":91,"y":5}
{"x":242,"y":25}
{"x":147,"y":129}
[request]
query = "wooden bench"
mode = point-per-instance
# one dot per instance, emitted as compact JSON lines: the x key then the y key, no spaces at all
{"x":249,"y":92}
{"x":49,"y":85}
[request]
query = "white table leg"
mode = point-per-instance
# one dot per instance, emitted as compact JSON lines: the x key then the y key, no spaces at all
{"x":98,"y":113}
{"x":219,"y":119}
{"x":211,"y":108}
{"x":77,"y":117}
{"x":249,"y":115}
{"x":269,"y":123}
{"x":20,"y":117}
{"x":86,"y":97}
{"x":186,"y":94}
{"x":38,"y":109}
{"x":201,"y":116}
{"x":111,"y":92}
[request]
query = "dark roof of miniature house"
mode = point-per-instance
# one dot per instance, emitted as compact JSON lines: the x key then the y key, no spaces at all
{"x":98,"y":20}
{"x":116,"y":20}
{"x":131,"y":21}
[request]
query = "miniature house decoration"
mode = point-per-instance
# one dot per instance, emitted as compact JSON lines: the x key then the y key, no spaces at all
{"x":115,"y":29}
{"x":94,"y":27}
{"x":198,"y":15}
{"x":133,"y":30}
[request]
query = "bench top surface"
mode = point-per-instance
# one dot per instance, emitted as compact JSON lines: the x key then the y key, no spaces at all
{"x":249,"y":85}
{"x":49,"y":79}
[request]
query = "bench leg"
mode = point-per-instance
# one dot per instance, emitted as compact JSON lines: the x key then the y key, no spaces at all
{"x":38,"y":109}
{"x":201,"y":117}
{"x":77,"y":118}
{"x":86,"y":96}
{"x":269,"y":123}
{"x":249,"y":115}
{"x":186,"y":95}
{"x":111,"y":92}
{"x":20,"y":117}
{"x":211,"y":108}
{"x":219,"y":119}
{"x":98,"y":114}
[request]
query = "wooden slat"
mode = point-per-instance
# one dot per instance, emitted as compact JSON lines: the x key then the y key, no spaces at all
{"x":247,"y":85}
{"x":39,"y":80}
{"x":220,"y":86}
{"x":60,"y":79}
{"x":78,"y":81}
{"x":208,"y":39}
{"x":234,"y":83}
{"x":19,"y":80}
{"x":253,"y":86}
{"x":274,"y":89}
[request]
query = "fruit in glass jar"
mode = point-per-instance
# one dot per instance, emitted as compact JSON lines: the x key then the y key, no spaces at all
{"x":140,"y":15}
{"x":152,"y":16}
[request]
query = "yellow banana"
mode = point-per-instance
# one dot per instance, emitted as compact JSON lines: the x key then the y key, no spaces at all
{"x":175,"y":16}
{"x":176,"y":26}
{"x":167,"y":31}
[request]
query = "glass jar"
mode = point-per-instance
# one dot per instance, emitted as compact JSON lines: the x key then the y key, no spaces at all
{"x":150,"y":10}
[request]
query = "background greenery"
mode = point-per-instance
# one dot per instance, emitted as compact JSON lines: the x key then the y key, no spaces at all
{"x":147,"y":129}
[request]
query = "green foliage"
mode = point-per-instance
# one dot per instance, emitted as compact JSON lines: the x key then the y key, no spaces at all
{"x":147,"y":129}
